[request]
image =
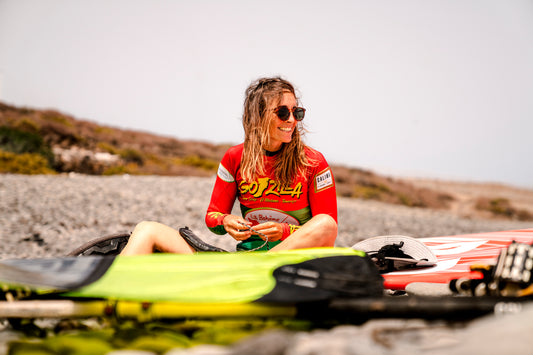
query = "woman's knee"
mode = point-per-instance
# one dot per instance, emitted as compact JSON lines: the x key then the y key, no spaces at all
{"x":327,"y":223}
{"x":145,"y":229}
{"x":142,"y":239}
{"x":326,"y":228}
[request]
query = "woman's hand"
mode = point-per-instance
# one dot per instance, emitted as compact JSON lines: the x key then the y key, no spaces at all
{"x":273,"y":230}
{"x":234,"y":226}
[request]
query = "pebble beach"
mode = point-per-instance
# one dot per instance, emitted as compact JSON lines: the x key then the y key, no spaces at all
{"x":50,"y":215}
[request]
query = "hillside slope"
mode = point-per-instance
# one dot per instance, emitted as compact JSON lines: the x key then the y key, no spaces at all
{"x":48,"y":141}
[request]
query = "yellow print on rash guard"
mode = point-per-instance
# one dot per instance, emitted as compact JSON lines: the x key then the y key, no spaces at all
{"x":215,"y":214}
{"x":264,"y":187}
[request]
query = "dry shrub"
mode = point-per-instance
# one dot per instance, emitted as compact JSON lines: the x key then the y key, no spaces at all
{"x":502,"y":207}
{"x":26,"y":125}
{"x":359,"y":183}
{"x":199,"y":162}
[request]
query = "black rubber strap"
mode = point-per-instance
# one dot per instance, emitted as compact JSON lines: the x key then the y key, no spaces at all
{"x":197,"y":243}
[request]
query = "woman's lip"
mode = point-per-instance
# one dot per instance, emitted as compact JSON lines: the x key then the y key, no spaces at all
{"x":285,"y":129}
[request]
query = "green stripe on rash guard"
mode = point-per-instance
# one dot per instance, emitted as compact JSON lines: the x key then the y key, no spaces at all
{"x":220,"y":230}
{"x":198,"y":278}
{"x":255,"y":242}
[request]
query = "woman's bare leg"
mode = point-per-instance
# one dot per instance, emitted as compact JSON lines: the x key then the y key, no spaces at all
{"x":150,"y":236}
{"x":320,"y":231}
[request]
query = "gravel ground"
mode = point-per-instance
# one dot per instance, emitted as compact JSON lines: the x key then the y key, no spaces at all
{"x":50,"y":215}
{"x":42,"y":216}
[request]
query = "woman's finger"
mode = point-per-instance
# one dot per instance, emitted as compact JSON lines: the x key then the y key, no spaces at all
{"x":271,"y":230}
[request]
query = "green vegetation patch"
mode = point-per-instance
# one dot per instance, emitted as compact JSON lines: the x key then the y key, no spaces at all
{"x":132,"y":156}
{"x":17,"y":141}
{"x":26,"y":163}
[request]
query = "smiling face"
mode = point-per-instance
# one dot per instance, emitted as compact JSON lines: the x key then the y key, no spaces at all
{"x":281,"y":131}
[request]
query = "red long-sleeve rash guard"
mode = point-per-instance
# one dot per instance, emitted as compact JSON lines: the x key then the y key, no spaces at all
{"x":265,"y":200}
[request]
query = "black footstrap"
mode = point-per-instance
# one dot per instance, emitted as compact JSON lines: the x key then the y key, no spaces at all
{"x":107,"y":245}
{"x":197,"y":243}
{"x":391,"y":258}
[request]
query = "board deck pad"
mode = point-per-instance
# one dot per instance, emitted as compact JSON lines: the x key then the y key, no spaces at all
{"x":197,"y":278}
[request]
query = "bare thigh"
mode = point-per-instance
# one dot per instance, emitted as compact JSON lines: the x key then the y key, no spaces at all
{"x":149,"y":236}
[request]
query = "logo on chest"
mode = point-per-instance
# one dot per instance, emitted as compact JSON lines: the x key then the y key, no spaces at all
{"x":265,"y":187}
{"x":259,"y":216}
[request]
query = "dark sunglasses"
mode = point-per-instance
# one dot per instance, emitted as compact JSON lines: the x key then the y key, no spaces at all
{"x":284,"y":113}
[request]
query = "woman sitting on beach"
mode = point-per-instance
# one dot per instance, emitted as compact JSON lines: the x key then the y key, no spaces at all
{"x":286,"y":189}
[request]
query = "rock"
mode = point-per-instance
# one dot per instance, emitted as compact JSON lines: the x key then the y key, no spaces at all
{"x":272,"y":342}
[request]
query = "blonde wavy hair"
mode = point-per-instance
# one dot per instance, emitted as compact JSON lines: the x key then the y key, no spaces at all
{"x":291,"y":160}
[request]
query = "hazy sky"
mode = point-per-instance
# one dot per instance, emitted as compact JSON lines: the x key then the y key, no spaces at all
{"x":418,"y":87}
